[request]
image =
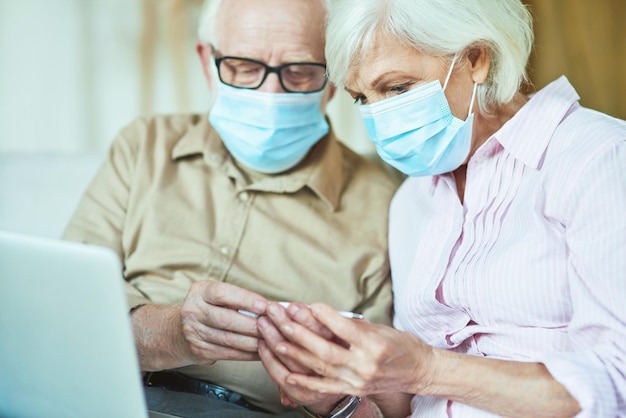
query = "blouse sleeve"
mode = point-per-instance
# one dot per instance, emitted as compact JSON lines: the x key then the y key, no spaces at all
{"x":595,"y":371}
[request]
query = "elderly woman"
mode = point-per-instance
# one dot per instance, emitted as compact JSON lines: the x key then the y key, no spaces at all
{"x":507,"y":241}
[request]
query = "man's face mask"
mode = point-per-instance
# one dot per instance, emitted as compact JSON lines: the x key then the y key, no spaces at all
{"x":268,"y":132}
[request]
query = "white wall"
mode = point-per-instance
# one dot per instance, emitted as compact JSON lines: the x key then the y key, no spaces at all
{"x":41,"y":76}
{"x":71,"y":74}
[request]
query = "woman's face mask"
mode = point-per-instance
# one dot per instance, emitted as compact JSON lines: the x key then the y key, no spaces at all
{"x":268,"y":132}
{"x":416,"y":133}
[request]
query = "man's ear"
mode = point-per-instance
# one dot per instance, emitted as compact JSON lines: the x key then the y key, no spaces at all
{"x":329,"y":93}
{"x":480,"y":62}
{"x":205,"y":53}
{"x":331,"y":90}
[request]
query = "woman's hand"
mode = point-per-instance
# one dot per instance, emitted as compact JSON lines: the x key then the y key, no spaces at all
{"x":379,"y":359}
{"x":279,"y":367}
{"x":361,"y":358}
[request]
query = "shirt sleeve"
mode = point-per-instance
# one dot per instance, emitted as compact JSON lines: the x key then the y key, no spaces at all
{"x":100,"y":214}
{"x":594,"y":371}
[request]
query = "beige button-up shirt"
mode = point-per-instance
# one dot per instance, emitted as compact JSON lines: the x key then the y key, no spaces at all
{"x":176,"y":208}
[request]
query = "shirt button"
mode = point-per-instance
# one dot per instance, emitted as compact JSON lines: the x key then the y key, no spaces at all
{"x":244,"y":196}
{"x":225,"y":250}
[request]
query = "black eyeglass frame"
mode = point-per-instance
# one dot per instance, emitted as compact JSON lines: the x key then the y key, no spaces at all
{"x":269,"y":69}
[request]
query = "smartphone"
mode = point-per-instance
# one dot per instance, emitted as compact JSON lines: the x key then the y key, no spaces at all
{"x":346,"y":314}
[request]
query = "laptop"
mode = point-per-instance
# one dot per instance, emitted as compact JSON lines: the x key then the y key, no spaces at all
{"x":66,"y":345}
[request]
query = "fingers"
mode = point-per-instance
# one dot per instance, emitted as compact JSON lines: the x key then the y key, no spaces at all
{"x":277,"y":330}
{"x":320,"y":384}
{"x":343,"y":328}
{"x":301,"y":314}
{"x":216,"y":304}
{"x":218,"y":325}
{"x":213,"y":328}
{"x":197,"y":333}
{"x":304,"y":347}
{"x":272,"y":338}
{"x":334,"y":363}
{"x":292,"y":330}
{"x":230,"y":296}
{"x":285,"y":400}
{"x":280,"y":367}
{"x":291,"y":395}
{"x":207,"y":353}
{"x":276,"y":370}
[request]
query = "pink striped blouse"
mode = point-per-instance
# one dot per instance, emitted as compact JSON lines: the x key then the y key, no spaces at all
{"x":532,"y":267}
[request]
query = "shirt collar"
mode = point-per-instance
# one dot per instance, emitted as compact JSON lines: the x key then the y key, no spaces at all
{"x":321,"y":170}
{"x":526,"y":135}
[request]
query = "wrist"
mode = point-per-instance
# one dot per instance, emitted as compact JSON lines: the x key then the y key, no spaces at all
{"x":345,"y":408}
{"x":430,"y":380}
{"x":158,"y":337}
{"x":323,"y":408}
{"x":432,"y":362}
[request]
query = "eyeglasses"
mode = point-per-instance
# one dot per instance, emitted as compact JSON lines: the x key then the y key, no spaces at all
{"x":296,"y":77}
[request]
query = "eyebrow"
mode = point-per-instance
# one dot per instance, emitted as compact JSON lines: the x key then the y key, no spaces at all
{"x":374,"y":83}
{"x":378,"y":80}
{"x":351,"y":92}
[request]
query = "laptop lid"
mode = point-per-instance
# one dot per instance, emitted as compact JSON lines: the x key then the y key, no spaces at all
{"x":66,"y":345}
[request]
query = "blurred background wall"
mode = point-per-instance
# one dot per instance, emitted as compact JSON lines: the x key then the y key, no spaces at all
{"x":73,"y":72}
{"x":586,"y":41}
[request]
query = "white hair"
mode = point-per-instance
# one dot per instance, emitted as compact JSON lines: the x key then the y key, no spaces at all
{"x":208,"y":21}
{"x":207,"y":24}
{"x":437,"y":27}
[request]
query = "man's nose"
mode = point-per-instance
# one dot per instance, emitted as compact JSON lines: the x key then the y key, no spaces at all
{"x":272,"y":84}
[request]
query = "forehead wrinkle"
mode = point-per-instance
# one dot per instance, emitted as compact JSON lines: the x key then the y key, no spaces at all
{"x":281,"y":35}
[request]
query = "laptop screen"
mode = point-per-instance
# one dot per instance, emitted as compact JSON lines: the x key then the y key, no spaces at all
{"x":66,"y":346}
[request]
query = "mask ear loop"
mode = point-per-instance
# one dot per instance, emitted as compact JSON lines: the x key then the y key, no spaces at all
{"x":469,"y":112}
{"x":445,"y":83}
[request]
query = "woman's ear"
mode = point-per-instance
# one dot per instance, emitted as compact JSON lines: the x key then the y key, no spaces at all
{"x":480,"y":62}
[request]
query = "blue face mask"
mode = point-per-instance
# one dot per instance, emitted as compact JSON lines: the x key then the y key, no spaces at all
{"x":416,"y":133}
{"x":268,"y":132}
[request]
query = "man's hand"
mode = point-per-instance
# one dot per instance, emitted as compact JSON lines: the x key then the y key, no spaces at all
{"x":206,"y":328}
{"x":212,"y":326}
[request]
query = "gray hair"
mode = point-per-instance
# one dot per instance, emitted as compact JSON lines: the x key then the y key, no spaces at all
{"x":207,"y":23}
{"x":440,"y":28}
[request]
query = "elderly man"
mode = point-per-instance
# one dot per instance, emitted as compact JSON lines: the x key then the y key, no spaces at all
{"x":214,"y":216}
